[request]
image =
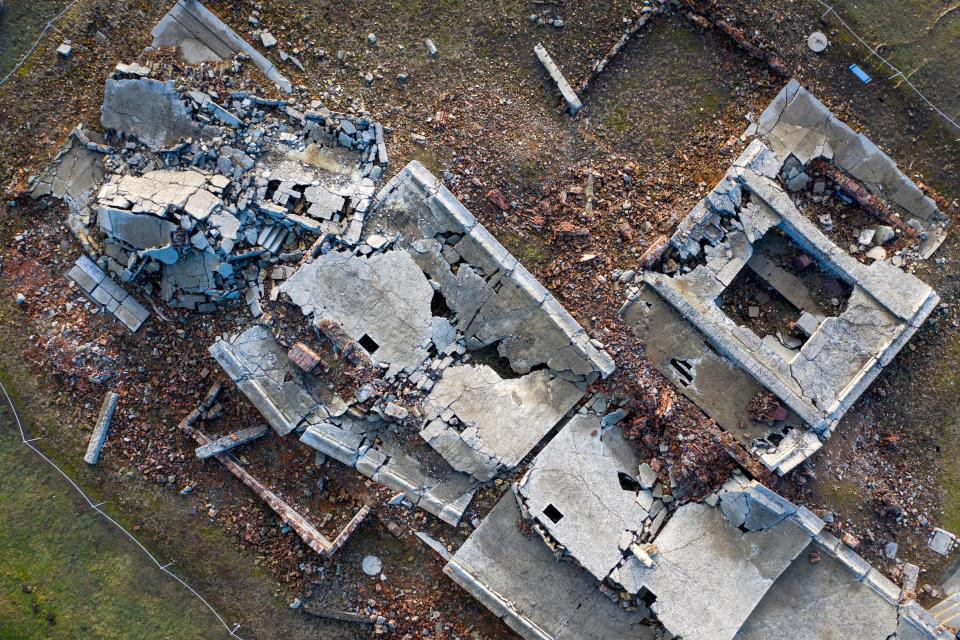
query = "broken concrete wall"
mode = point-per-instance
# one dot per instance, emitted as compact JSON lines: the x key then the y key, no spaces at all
{"x":796,"y":123}
{"x":518,"y":579}
{"x":148,"y":109}
{"x":509,"y":307}
{"x":200,"y":36}
{"x":816,"y":382}
{"x":283,"y":393}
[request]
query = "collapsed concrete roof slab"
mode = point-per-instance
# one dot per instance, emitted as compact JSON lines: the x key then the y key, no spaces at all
{"x":200,"y":36}
{"x":148,"y":109}
{"x":819,"y":600}
{"x":385,"y":297}
{"x":423,"y":314}
{"x":283,"y":393}
{"x":821,"y":379}
{"x":710,"y":575}
{"x":519,"y":580}
{"x":498,"y":421}
{"x":575,"y":492}
{"x":737,"y":569}
{"x":796,"y":123}
{"x":512,"y":309}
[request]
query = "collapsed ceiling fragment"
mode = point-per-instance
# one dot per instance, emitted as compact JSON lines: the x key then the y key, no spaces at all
{"x":193,"y":200}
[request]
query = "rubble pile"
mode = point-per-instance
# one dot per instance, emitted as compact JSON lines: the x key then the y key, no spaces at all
{"x":476,"y":362}
{"x":195,"y":194}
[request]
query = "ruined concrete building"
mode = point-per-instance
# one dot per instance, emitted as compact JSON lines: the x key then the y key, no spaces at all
{"x":474,"y":361}
{"x":391,"y":332}
{"x":841,"y":320}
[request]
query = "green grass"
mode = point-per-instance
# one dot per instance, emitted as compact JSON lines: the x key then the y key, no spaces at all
{"x":66,"y":573}
{"x":950,"y":448}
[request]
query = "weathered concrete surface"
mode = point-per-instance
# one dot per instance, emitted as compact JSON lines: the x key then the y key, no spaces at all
{"x":101,"y":288}
{"x":385,"y":297}
{"x":279,"y":389}
{"x":494,"y":299}
{"x":100,"y":431}
{"x":823,"y":600}
{"x":200,"y":36}
{"x":499,"y":420}
{"x":818,"y":382}
{"x":148,"y":109}
{"x":576,"y":478}
{"x":797,"y":123}
{"x":710,"y":575}
{"x":518,"y":579}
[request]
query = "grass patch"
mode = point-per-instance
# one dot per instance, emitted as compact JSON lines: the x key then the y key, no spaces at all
{"x":65,"y":573}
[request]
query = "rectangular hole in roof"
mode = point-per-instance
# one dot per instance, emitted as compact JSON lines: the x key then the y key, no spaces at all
{"x":553,"y":513}
{"x":369,"y":344}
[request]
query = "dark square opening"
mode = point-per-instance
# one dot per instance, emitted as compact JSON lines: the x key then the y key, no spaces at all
{"x":553,"y":513}
{"x":369,"y":344}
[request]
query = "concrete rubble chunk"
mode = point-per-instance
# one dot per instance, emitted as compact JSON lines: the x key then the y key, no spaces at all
{"x":231,"y":440}
{"x":100,"y":288}
{"x":102,"y":429}
{"x":942,"y":541}
{"x":148,"y":109}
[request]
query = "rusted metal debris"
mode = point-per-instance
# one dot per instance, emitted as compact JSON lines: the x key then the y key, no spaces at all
{"x":304,"y":528}
{"x":700,"y":15}
{"x":855,"y":189}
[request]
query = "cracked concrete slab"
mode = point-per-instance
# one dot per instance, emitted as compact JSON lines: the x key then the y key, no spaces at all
{"x":519,"y":580}
{"x":498,"y":420}
{"x":840,"y":355}
{"x":796,"y":123}
{"x":200,"y":36}
{"x":283,"y":393}
{"x":148,"y":109}
{"x":385,"y":297}
{"x":574,"y":491}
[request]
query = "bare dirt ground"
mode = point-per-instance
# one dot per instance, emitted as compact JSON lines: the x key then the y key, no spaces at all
{"x":660,"y":127}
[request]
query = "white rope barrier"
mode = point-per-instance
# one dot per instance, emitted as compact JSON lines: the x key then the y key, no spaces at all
{"x":36,"y":43}
{"x":96,"y":507}
{"x":896,"y":71}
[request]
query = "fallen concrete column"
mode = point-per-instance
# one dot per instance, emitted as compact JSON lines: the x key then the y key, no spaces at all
{"x":100,"y":431}
{"x":573,"y":102}
{"x":231,"y":440}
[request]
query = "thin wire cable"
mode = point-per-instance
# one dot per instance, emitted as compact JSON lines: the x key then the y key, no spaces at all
{"x":36,"y":43}
{"x":96,"y":507}
{"x":896,"y":71}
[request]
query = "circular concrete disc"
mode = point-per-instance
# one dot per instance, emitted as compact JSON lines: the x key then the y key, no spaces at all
{"x":372,"y":566}
{"x":817,"y":42}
